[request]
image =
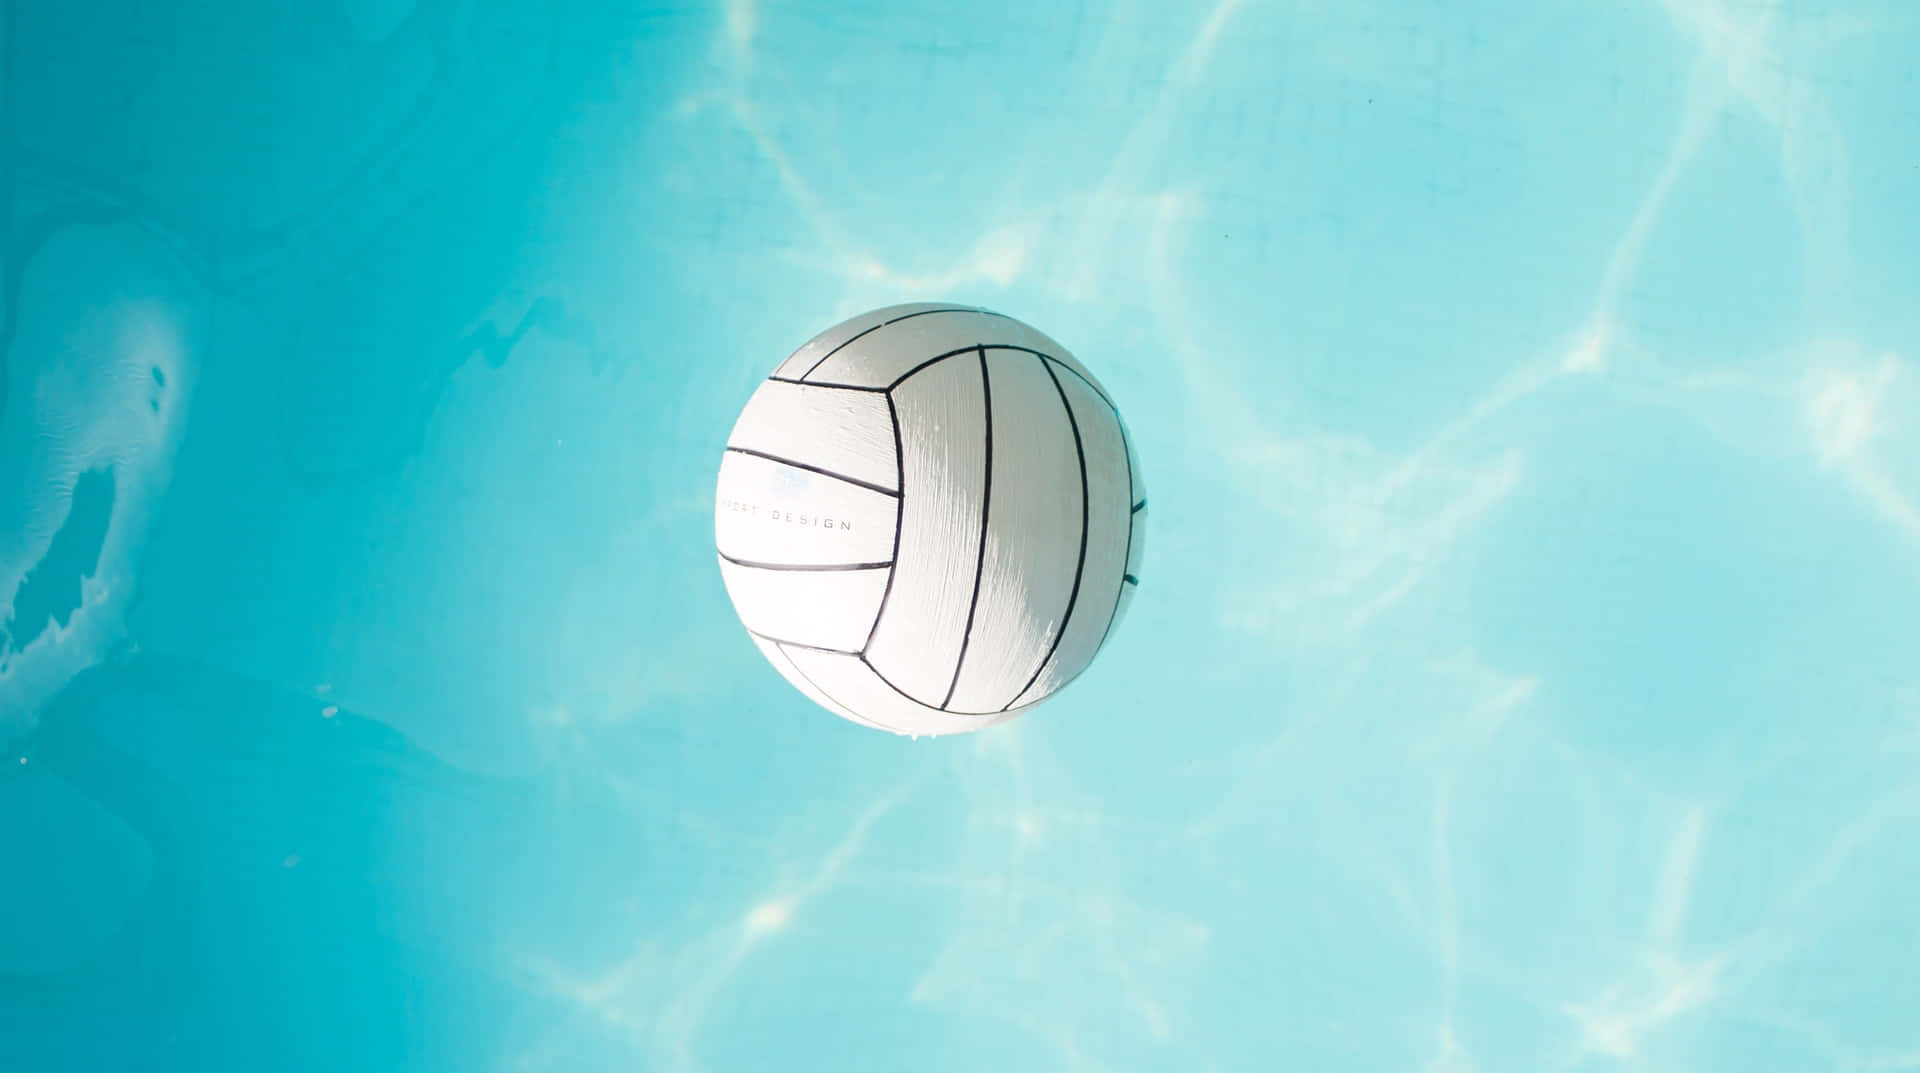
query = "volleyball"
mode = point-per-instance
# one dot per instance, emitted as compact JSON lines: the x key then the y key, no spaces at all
{"x":930,"y":518}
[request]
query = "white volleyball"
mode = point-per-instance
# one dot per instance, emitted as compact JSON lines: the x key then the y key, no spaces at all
{"x":930,"y":518}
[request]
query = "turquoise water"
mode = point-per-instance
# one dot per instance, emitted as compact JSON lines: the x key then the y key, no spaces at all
{"x":1527,"y":674}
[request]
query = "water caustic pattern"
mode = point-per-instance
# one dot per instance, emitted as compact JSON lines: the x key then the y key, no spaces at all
{"x":1526,"y":680}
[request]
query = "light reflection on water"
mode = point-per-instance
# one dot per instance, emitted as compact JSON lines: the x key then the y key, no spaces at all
{"x":1526,"y":681}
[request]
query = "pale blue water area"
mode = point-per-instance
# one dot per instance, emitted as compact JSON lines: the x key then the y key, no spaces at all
{"x":1526,"y":674}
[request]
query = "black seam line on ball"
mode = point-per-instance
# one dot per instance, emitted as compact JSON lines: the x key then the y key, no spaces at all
{"x":868,"y":485}
{"x":1083,"y":378}
{"x":971,"y":348}
{"x":802,"y":567}
{"x":1130,"y":579}
{"x":968,"y":349}
{"x":986,"y":501}
{"x":937,"y":358}
{"x":848,"y":708}
{"x":899,"y":516}
{"x":835,"y":387}
{"x":1104,"y":634}
{"x":1140,"y":506}
{"x":877,"y":327}
{"x":904,"y":695}
{"x":1080,"y":566}
{"x":797,"y":644}
{"x":884,"y":680}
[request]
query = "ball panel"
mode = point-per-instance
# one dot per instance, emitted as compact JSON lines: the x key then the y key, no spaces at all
{"x":1136,"y":546}
{"x":823,"y":608}
{"x":1073,"y":370}
{"x":1136,"y":538}
{"x":771,"y":512}
{"x":1127,"y":593}
{"x":803,"y":360}
{"x":1013,"y":333}
{"x":881,"y":358}
{"x":845,"y":432}
{"x":777,"y":656}
{"x":1137,"y":534}
{"x":1136,"y":479}
{"x":1034,"y":535}
{"x":943,"y":434}
{"x":1109,"y":515}
{"x":854,"y":684}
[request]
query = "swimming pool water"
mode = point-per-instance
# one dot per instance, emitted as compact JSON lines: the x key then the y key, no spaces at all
{"x":1527,"y":674}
